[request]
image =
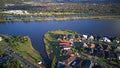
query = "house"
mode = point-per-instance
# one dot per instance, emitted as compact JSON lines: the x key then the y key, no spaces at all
{"x":71,"y":40}
{"x":117,"y":41}
{"x":84,"y":36}
{"x":117,"y":50}
{"x":109,"y":47}
{"x":69,"y":60}
{"x":76,"y":63}
{"x":61,"y":65}
{"x":92,"y":46}
{"x":87,"y":64}
{"x":73,"y":36}
{"x":66,"y":52}
{"x":60,"y":36}
{"x":69,"y":36}
{"x":69,"y":52}
{"x":105,"y":39}
{"x":83,"y":44}
{"x":91,"y":38}
{"x":65,"y":37}
{"x":118,"y":55}
{"x":78,"y":37}
{"x":64,"y":44}
{"x":0,"y":38}
{"x":40,"y":64}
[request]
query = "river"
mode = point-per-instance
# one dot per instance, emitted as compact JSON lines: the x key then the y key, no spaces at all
{"x":36,"y":30}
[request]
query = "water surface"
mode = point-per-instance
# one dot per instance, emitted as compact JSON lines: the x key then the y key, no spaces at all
{"x":36,"y":30}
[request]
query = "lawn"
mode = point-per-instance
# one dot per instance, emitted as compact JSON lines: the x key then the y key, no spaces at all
{"x":27,"y":51}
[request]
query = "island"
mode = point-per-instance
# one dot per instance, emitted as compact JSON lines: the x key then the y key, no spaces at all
{"x":19,"y":51}
{"x":67,"y":48}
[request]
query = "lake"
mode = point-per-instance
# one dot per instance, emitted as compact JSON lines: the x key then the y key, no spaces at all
{"x":36,"y":30}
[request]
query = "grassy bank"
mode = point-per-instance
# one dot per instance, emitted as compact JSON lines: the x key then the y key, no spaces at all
{"x":81,"y":17}
{"x":22,"y":46}
{"x":27,"y":51}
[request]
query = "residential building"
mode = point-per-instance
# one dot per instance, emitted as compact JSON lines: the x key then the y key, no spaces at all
{"x":91,"y":38}
{"x":105,"y":39}
{"x":0,"y":38}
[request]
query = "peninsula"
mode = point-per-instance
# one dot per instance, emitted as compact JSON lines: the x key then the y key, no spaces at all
{"x":20,"y":47}
{"x":70,"y":49}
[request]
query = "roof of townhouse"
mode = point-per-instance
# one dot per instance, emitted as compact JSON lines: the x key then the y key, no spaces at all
{"x":64,"y":44}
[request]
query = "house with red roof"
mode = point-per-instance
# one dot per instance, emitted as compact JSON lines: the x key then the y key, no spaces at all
{"x":65,"y":44}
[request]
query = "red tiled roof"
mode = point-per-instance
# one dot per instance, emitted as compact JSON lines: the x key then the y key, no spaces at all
{"x":92,"y":46}
{"x":69,"y":52}
{"x":64,"y":44}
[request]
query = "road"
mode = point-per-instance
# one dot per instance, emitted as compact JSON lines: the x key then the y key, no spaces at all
{"x":18,"y":56}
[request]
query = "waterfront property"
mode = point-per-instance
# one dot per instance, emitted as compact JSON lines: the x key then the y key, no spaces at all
{"x":92,"y":52}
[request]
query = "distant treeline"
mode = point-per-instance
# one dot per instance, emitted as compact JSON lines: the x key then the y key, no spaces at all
{"x":106,"y":7}
{"x":90,"y":8}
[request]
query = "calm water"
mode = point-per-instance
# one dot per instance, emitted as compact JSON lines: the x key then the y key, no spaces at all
{"x":36,"y":30}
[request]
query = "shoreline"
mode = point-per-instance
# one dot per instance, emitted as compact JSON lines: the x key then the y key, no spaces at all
{"x":38,"y":19}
